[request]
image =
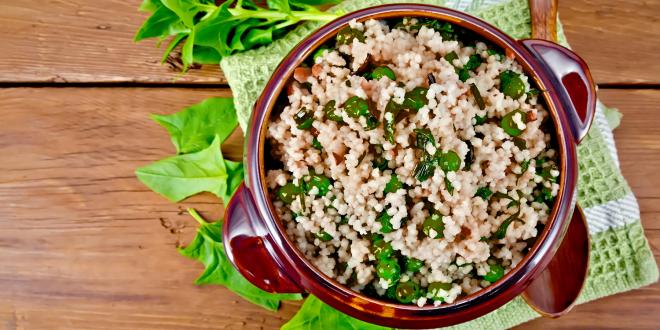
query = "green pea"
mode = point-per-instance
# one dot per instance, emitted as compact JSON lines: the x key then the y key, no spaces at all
{"x":304,"y":118}
{"x":383,"y":71}
{"x":288,"y":193}
{"x":511,"y":84}
{"x":386,"y":225}
{"x":449,"y":161}
{"x":435,"y":287}
{"x":347,"y":34}
{"x":356,"y":107}
{"x":483,"y":192}
{"x":413,"y":265}
{"x":389,"y":270}
{"x":416,"y":99}
{"x":434,"y":223}
{"x":323,"y":236}
{"x":509,"y":126}
{"x":393,"y":185}
{"x":331,"y":111}
{"x":316,"y":144}
{"x":495,"y":273}
{"x":321,"y":182}
{"x":319,"y":53}
{"x":381,"y":249}
{"x":406,"y":292}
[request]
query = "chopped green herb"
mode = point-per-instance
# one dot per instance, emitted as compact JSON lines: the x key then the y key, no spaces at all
{"x":386,"y":225}
{"x":473,"y":62}
{"x":449,"y":186}
{"x":316,"y":144}
{"x":479,"y":120}
{"x":416,"y":99}
{"x":393,"y":185}
{"x":413,"y":265}
{"x":319,"y":181}
{"x":424,"y":169}
{"x":319,"y":53}
{"x":450,"y":57}
{"x":463,"y":74}
{"x":423,"y":136}
{"x":433,"y":226}
{"x":477,"y":96}
{"x":304,"y":118}
{"x":483,"y":192}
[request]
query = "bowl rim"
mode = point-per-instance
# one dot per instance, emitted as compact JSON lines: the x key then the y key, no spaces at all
{"x":547,"y":241}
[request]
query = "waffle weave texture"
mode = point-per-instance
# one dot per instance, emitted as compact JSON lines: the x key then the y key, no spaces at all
{"x":621,"y":259}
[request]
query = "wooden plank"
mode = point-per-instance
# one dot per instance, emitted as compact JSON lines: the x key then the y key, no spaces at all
{"x":84,"y":41}
{"x":91,"y":41}
{"x":616,"y":38}
{"x":84,"y":245}
{"x":638,"y":142}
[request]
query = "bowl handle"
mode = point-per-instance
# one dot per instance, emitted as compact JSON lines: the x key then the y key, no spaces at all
{"x":573,"y":81}
{"x":250,"y":248}
{"x":554,"y":292}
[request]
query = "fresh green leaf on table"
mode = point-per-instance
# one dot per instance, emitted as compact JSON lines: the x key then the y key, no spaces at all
{"x":220,"y":30}
{"x":314,"y":314}
{"x":196,"y":127}
{"x":161,"y":24}
{"x":182,"y":176}
{"x":208,"y":249}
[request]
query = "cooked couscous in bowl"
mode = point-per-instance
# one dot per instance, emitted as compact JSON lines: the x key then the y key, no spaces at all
{"x":411,"y":161}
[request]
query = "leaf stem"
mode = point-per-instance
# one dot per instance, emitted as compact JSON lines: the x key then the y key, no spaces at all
{"x":196,"y":216}
{"x":240,"y":13}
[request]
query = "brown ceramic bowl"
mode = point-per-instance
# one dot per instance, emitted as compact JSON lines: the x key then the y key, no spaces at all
{"x":257,"y":244}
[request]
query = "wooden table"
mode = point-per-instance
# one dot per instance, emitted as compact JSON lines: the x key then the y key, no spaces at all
{"x":84,"y":245}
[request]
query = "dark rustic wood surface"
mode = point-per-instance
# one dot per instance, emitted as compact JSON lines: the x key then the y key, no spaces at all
{"x":83,"y":245}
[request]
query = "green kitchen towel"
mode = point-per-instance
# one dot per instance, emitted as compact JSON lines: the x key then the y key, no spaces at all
{"x":621,"y":259}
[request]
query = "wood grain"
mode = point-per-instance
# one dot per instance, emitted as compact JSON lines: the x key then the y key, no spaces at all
{"x":83,"y":245}
{"x":64,"y":41}
{"x":617,"y":38}
{"x":80,"y":41}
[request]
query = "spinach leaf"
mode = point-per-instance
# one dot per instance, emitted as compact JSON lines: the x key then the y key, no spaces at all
{"x":221,"y":30}
{"x":182,"y":176}
{"x":194,"y":128}
{"x":162,"y":23}
{"x":207,"y":248}
{"x":314,"y":314}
